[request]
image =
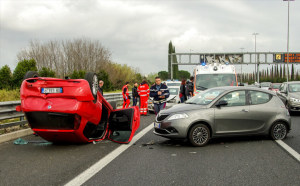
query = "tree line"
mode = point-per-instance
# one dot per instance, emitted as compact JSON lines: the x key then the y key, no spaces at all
{"x":71,"y":58}
{"x":275,"y":74}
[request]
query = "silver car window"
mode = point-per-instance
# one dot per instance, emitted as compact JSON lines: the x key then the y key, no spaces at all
{"x":294,"y":87}
{"x":257,"y":97}
{"x":205,"y":97}
{"x":235,"y":98}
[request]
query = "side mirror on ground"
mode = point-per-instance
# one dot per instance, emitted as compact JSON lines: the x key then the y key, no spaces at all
{"x":221,"y":103}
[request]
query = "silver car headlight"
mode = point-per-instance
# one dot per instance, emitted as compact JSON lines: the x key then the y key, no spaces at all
{"x":178,"y":116}
{"x":295,"y":100}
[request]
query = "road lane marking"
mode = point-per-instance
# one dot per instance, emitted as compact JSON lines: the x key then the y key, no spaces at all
{"x":98,"y":166}
{"x":291,"y":151}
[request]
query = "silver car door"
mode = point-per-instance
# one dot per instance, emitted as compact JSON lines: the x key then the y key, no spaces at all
{"x":262,"y":109}
{"x":234,"y":117}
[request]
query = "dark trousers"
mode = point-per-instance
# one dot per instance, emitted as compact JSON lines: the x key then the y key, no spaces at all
{"x":134,"y":101}
{"x":158,"y":107}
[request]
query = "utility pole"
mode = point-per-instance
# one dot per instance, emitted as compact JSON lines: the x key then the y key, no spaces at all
{"x":256,"y":66}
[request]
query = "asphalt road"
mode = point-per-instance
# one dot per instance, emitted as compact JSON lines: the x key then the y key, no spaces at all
{"x":224,"y":161}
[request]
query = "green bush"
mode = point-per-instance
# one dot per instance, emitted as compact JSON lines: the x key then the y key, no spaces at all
{"x":103,"y":75}
{"x":46,"y":72}
{"x":21,"y":69}
{"x":5,"y":77}
{"x":77,"y":74}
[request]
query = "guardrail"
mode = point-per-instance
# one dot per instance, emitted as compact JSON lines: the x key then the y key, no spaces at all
{"x":8,"y":110}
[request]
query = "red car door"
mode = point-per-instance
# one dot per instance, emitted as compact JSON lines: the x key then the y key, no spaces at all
{"x":123,"y":123}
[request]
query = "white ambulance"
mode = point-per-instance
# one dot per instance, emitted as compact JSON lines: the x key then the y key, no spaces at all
{"x":214,"y":75}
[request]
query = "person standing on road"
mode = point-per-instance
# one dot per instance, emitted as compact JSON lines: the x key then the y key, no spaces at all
{"x":135,"y":95}
{"x":126,"y":97}
{"x":183,"y":91}
{"x":144,"y":91}
{"x":190,"y":87}
{"x":101,"y":83}
{"x":159,"y":92}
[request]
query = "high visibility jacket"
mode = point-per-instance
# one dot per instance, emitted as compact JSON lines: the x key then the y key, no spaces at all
{"x":125,"y":92}
{"x":143,"y":90}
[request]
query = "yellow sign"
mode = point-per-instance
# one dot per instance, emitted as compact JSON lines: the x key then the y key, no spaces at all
{"x":278,"y":56}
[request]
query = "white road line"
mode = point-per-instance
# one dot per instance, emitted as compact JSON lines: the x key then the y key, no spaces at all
{"x":295,"y":154}
{"x":98,"y":166}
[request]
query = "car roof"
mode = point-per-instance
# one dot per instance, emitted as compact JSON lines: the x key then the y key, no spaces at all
{"x":229,"y":88}
{"x":292,"y":82}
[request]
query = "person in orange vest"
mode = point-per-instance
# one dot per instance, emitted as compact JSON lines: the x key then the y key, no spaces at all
{"x":143,"y":91}
{"x":126,"y":97}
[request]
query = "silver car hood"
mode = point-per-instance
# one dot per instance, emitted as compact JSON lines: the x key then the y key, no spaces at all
{"x":294,"y":95}
{"x":183,"y":107}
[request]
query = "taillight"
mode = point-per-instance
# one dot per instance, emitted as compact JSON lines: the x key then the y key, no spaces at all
{"x":77,"y":121}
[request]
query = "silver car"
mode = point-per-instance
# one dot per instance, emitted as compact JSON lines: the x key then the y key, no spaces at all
{"x":225,"y":111}
{"x":289,"y":93}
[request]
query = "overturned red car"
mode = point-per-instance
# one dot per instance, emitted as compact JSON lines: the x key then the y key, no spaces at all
{"x":73,"y":110}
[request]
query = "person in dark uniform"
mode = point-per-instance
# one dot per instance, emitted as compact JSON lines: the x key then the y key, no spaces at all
{"x":159,"y":92}
{"x":135,"y":95}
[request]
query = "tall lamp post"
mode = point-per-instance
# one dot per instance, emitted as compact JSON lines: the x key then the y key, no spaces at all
{"x":288,"y":41}
{"x":242,"y":65}
{"x":256,"y":66}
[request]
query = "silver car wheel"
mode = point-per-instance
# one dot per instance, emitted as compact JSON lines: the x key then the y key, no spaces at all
{"x":279,"y":131}
{"x":200,"y":135}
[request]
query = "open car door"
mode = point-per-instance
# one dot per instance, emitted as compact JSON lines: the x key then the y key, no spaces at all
{"x":123,"y":123}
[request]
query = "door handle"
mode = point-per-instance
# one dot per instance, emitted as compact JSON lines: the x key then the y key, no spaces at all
{"x":244,"y":110}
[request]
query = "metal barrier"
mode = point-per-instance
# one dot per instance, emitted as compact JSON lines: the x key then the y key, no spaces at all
{"x":8,"y":110}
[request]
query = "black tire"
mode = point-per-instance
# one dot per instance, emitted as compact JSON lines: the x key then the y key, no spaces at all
{"x":278,"y":131}
{"x":92,"y":79}
{"x":199,"y":135}
{"x":31,"y":74}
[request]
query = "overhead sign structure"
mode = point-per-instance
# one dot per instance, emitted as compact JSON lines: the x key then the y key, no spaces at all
{"x":223,"y":58}
{"x":282,"y":57}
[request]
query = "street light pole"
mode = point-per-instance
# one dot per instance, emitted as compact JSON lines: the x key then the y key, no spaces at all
{"x":190,"y":55}
{"x":256,"y":66}
{"x":288,"y":42}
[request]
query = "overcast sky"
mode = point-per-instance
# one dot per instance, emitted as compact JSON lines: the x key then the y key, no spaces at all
{"x":138,"y":32}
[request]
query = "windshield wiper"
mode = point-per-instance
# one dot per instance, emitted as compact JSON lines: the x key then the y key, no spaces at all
{"x":202,"y":88}
{"x":190,"y":103}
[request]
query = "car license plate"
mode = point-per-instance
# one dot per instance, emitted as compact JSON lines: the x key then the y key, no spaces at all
{"x":51,"y":90}
{"x":156,"y":125}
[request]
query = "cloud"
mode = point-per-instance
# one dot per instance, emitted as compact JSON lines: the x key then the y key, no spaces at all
{"x":138,"y":32}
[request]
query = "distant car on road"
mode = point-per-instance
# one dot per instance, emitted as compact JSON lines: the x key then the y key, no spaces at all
{"x":265,"y":85}
{"x":73,"y":110}
{"x":225,"y":111}
{"x":274,"y":87}
{"x":289,"y":93}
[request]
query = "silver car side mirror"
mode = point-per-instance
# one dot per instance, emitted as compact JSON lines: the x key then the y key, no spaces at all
{"x":221,"y":103}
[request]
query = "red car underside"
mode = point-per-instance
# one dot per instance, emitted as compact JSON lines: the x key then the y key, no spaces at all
{"x":72,"y":115}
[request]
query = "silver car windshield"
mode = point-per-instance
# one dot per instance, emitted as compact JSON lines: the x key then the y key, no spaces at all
{"x":204,"y":98}
{"x":206,"y":81}
{"x":294,"y":87}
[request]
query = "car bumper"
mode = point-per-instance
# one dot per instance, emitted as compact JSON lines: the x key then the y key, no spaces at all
{"x":294,"y":106}
{"x":172,"y":129}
